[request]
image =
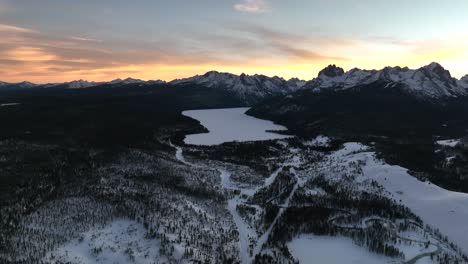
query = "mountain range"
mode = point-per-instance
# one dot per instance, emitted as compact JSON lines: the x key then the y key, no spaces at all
{"x":428,"y":82}
{"x":431,"y":81}
{"x":80,"y":137}
{"x":392,"y":102}
{"x":248,"y":90}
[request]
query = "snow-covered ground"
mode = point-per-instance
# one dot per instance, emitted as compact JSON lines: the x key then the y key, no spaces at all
{"x":9,"y":104}
{"x":319,"y":141}
{"x":250,"y":244}
{"x":440,"y":208}
{"x":231,"y":124}
{"x":332,"y":250}
{"x":122,"y":241}
{"x":448,"y":143}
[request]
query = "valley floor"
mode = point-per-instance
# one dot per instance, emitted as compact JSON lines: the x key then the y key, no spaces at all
{"x":278,"y":201}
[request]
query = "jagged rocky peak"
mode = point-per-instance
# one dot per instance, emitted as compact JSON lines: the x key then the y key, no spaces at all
{"x":429,"y":81}
{"x":436,"y":70}
{"x":248,"y":88}
{"x":331,"y":71}
{"x":126,"y":81}
{"x":395,"y":70}
{"x":464,"y":79}
{"x":156,"y":82}
{"x":81,"y":84}
{"x":297,"y":82}
{"x":464,"y":82}
{"x":212,"y":74}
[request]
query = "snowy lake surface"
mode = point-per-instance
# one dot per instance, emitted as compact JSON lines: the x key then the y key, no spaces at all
{"x":229,"y":125}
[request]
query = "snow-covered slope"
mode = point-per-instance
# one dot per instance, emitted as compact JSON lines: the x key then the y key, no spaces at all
{"x":20,"y":85}
{"x":73,"y":84}
{"x":245,"y":86}
{"x":438,"y":207}
{"x":122,"y":241}
{"x":25,"y":85}
{"x":79,"y":84}
{"x":431,"y":81}
{"x":116,"y":82}
{"x":464,"y":81}
{"x":323,"y":249}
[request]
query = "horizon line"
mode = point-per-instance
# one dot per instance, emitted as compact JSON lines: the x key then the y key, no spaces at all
{"x":227,"y":72}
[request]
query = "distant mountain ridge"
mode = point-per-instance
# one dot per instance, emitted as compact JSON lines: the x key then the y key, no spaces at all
{"x":431,"y":81}
{"x":393,"y":101}
{"x":247,"y":89}
{"x":250,"y":88}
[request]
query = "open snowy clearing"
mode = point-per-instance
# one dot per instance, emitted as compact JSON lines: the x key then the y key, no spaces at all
{"x":9,"y":104}
{"x":449,"y":142}
{"x":310,"y":249}
{"x":440,"y":208}
{"x":319,"y":141}
{"x":229,"y":125}
{"x":120,"y":242}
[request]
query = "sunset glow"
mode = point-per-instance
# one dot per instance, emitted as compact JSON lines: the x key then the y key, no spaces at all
{"x":101,"y":42}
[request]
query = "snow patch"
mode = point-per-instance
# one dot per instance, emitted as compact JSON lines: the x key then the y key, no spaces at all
{"x":319,"y":141}
{"x":332,"y":250}
{"x":9,"y":104}
{"x":122,"y":241}
{"x":448,"y":143}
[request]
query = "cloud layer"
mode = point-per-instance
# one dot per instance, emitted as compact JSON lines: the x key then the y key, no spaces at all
{"x":28,"y":54}
{"x":253,"y":6}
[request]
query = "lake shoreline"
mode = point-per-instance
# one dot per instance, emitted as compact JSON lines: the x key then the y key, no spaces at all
{"x":231,"y":125}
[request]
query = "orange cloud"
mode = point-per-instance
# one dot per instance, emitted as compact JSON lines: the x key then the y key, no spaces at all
{"x":9,"y":28}
{"x":26,"y":54}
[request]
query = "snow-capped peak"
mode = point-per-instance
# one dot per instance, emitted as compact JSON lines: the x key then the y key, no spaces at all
{"x":210,"y":79}
{"x":81,"y":84}
{"x":464,"y":81}
{"x":155,"y":82}
{"x":331,"y":71}
{"x":245,"y":86}
{"x":333,"y":77}
{"x":25,"y":85}
{"x":429,"y":81}
{"x":296,"y":82}
{"x":126,"y":81}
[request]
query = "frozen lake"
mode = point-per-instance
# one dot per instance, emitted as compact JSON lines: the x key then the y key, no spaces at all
{"x":229,"y":125}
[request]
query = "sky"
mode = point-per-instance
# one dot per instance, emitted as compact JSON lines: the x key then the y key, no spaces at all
{"x":47,"y":41}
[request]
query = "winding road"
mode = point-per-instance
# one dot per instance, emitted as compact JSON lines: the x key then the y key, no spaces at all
{"x":250,"y":244}
{"x":366,"y":224}
{"x":246,"y":233}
